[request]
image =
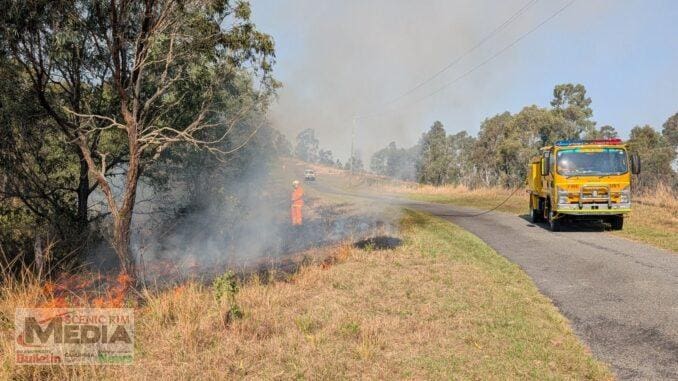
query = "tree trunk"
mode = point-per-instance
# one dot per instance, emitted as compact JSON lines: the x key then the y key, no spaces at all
{"x":121,"y":243}
{"x":83,"y":194}
{"x":123,"y":220}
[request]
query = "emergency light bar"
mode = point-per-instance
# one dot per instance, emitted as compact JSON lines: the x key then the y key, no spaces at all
{"x":594,"y":141}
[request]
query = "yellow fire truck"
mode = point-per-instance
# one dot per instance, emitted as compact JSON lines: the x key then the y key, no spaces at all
{"x":582,"y":179}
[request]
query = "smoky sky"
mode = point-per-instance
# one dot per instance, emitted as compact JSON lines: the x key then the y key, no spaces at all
{"x":339,"y":59}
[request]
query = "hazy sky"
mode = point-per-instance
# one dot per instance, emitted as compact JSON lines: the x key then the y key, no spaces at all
{"x":341,"y":58}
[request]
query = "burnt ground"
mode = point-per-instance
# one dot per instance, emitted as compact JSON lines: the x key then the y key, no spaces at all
{"x":193,"y":249}
{"x":251,"y":234}
{"x":379,"y":243}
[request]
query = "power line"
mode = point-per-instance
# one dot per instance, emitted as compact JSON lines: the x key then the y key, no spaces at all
{"x":468,"y":72}
{"x":465,"y":54}
{"x":481,"y":64}
{"x":484,"y":211}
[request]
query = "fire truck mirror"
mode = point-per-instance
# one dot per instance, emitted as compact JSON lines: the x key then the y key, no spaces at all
{"x":635,"y":164}
{"x":545,"y":166}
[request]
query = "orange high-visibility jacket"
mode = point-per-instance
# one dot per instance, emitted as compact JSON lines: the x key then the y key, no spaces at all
{"x":297,"y":197}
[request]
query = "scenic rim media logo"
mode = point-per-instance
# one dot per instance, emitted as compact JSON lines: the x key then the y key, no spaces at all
{"x":71,"y":336}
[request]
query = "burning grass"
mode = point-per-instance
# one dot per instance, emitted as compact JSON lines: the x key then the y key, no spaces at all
{"x":95,"y":290}
{"x":440,"y":305}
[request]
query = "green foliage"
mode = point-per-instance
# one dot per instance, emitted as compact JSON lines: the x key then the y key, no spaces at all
{"x":307,"y":148}
{"x":492,"y":133}
{"x":532,"y":128}
{"x":570,"y":101}
{"x":605,"y":132}
{"x":656,"y":156}
{"x":42,"y":190}
{"x":307,"y":324}
{"x":280,"y":145}
{"x":433,"y":166}
{"x":350,"y":329}
{"x":225,"y":287}
{"x":16,"y":235}
{"x":670,"y":130}
{"x":235,"y":311}
{"x":461,"y":149}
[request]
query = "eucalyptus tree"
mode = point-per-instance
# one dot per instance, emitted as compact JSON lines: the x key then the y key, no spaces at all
{"x":123,"y":81}
{"x":434,"y":162}
{"x":570,"y":102}
{"x":307,"y":146}
{"x":670,"y":130}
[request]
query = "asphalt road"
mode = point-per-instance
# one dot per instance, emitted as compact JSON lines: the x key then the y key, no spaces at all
{"x":620,"y":296}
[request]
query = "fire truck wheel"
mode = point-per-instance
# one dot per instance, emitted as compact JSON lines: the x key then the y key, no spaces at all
{"x":536,"y":215}
{"x":554,"y":223}
{"x":616,"y":222}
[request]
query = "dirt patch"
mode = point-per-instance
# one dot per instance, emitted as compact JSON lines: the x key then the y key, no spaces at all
{"x":379,"y":243}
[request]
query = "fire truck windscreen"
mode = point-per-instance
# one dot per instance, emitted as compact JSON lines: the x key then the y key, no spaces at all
{"x":591,"y":162}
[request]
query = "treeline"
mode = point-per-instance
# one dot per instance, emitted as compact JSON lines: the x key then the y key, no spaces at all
{"x":500,"y":154}
{"x":307,"y":148}
{"x":102,"y":100}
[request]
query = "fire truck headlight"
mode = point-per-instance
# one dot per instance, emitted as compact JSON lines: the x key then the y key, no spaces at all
{"x":625,"y":195}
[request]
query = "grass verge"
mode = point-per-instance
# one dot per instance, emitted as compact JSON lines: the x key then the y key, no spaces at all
{"x":443,"y":305}
{"x":653,"y":220}
{"x":481,"y":198}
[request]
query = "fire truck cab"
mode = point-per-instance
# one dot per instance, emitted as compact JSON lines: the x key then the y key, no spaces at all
{"x":582,"y":179}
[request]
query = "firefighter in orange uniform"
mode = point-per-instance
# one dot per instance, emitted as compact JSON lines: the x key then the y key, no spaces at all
{"x":297,"y":203}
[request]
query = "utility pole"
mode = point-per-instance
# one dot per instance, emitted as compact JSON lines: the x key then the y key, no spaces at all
{"x":352,"y":144}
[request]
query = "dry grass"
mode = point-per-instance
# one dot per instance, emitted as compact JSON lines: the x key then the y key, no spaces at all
{"x":443,"y":305}
{"x":653,"y":220}
{"x":484,"y":198}
{"x":663,"y":196}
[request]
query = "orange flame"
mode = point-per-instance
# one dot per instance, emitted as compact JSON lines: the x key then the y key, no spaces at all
{"x":86,"y":290}
{"x":178,"y":290}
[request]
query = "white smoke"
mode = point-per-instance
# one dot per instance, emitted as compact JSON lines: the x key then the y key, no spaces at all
{"x":336,"y":59}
